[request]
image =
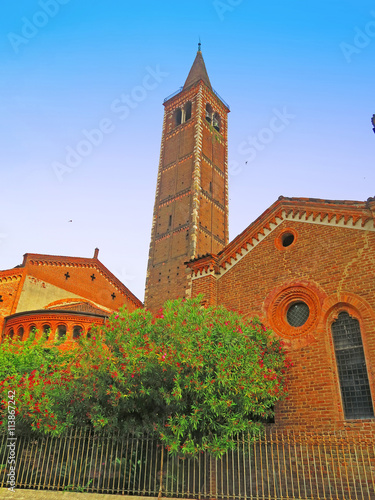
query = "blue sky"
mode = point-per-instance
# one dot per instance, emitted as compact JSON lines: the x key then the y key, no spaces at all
{"x":65,"y":64}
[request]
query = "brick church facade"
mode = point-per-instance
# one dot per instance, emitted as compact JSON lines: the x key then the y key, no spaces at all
{"x":305,"y":267}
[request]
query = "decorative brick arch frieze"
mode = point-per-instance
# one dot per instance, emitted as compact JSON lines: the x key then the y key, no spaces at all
{"x":278,"y":301}
{"x":78,"y":304}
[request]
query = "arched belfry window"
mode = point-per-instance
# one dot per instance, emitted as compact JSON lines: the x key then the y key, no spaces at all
{"x":187,"y":110}
{"x":208,"y":113}
{"x":216,"y":122}
{"x":182,"y":115}
{"x":178,"y":116}
{"x":351,"y":366}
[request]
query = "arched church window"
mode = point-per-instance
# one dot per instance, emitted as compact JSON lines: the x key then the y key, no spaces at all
{"x":351,"y":366}
{"x":32,"y":329}
{"x":20,"y":333}
{"x":61,"y":331}
{"x":216,"y":122}
{"x":11,"y":333}
{"x":187,"y":109}
{"x":77,"y":331}
{"x":208,"y":113}
{"x":177,"y":116}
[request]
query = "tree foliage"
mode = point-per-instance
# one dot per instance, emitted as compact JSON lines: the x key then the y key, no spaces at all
{"x":196,"y":376}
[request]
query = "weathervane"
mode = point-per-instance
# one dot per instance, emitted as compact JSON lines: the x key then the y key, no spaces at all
{"x":199,"y":45}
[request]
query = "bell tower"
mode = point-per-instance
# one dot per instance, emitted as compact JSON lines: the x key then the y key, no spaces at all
{"x":191,"y":203}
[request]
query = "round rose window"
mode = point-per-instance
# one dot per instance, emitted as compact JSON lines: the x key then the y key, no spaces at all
{"x":297,"y":314}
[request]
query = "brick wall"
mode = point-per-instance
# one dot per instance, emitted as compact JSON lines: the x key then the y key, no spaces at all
{"x":10,"y":284}
{"x":334,"y":270}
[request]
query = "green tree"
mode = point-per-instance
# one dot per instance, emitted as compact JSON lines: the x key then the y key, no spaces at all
{"x":194,"y":375}
{"x":38,"y":374}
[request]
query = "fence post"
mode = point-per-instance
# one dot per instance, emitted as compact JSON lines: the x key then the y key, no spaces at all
{"x":161,"y":471}
{"x":213,"y":485}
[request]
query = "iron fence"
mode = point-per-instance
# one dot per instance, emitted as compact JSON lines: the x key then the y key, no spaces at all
{"x":275,"y":465}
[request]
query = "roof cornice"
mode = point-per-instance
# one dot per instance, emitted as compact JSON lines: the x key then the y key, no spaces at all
{"x":336,"y":213}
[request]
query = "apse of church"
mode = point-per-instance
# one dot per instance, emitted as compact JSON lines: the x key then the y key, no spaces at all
{"x":191,"y":205}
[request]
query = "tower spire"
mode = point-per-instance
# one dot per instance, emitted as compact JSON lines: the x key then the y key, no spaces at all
{"x":198,"y":71}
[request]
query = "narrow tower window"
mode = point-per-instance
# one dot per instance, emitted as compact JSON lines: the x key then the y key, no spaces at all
{"x":351,"y":366}
{"x":170,"y":221}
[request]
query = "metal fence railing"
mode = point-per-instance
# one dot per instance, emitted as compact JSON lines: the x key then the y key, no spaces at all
{"x":276,"y":465}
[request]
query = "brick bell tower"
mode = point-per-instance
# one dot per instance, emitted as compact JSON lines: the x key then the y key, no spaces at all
{"x":191,"y":204}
